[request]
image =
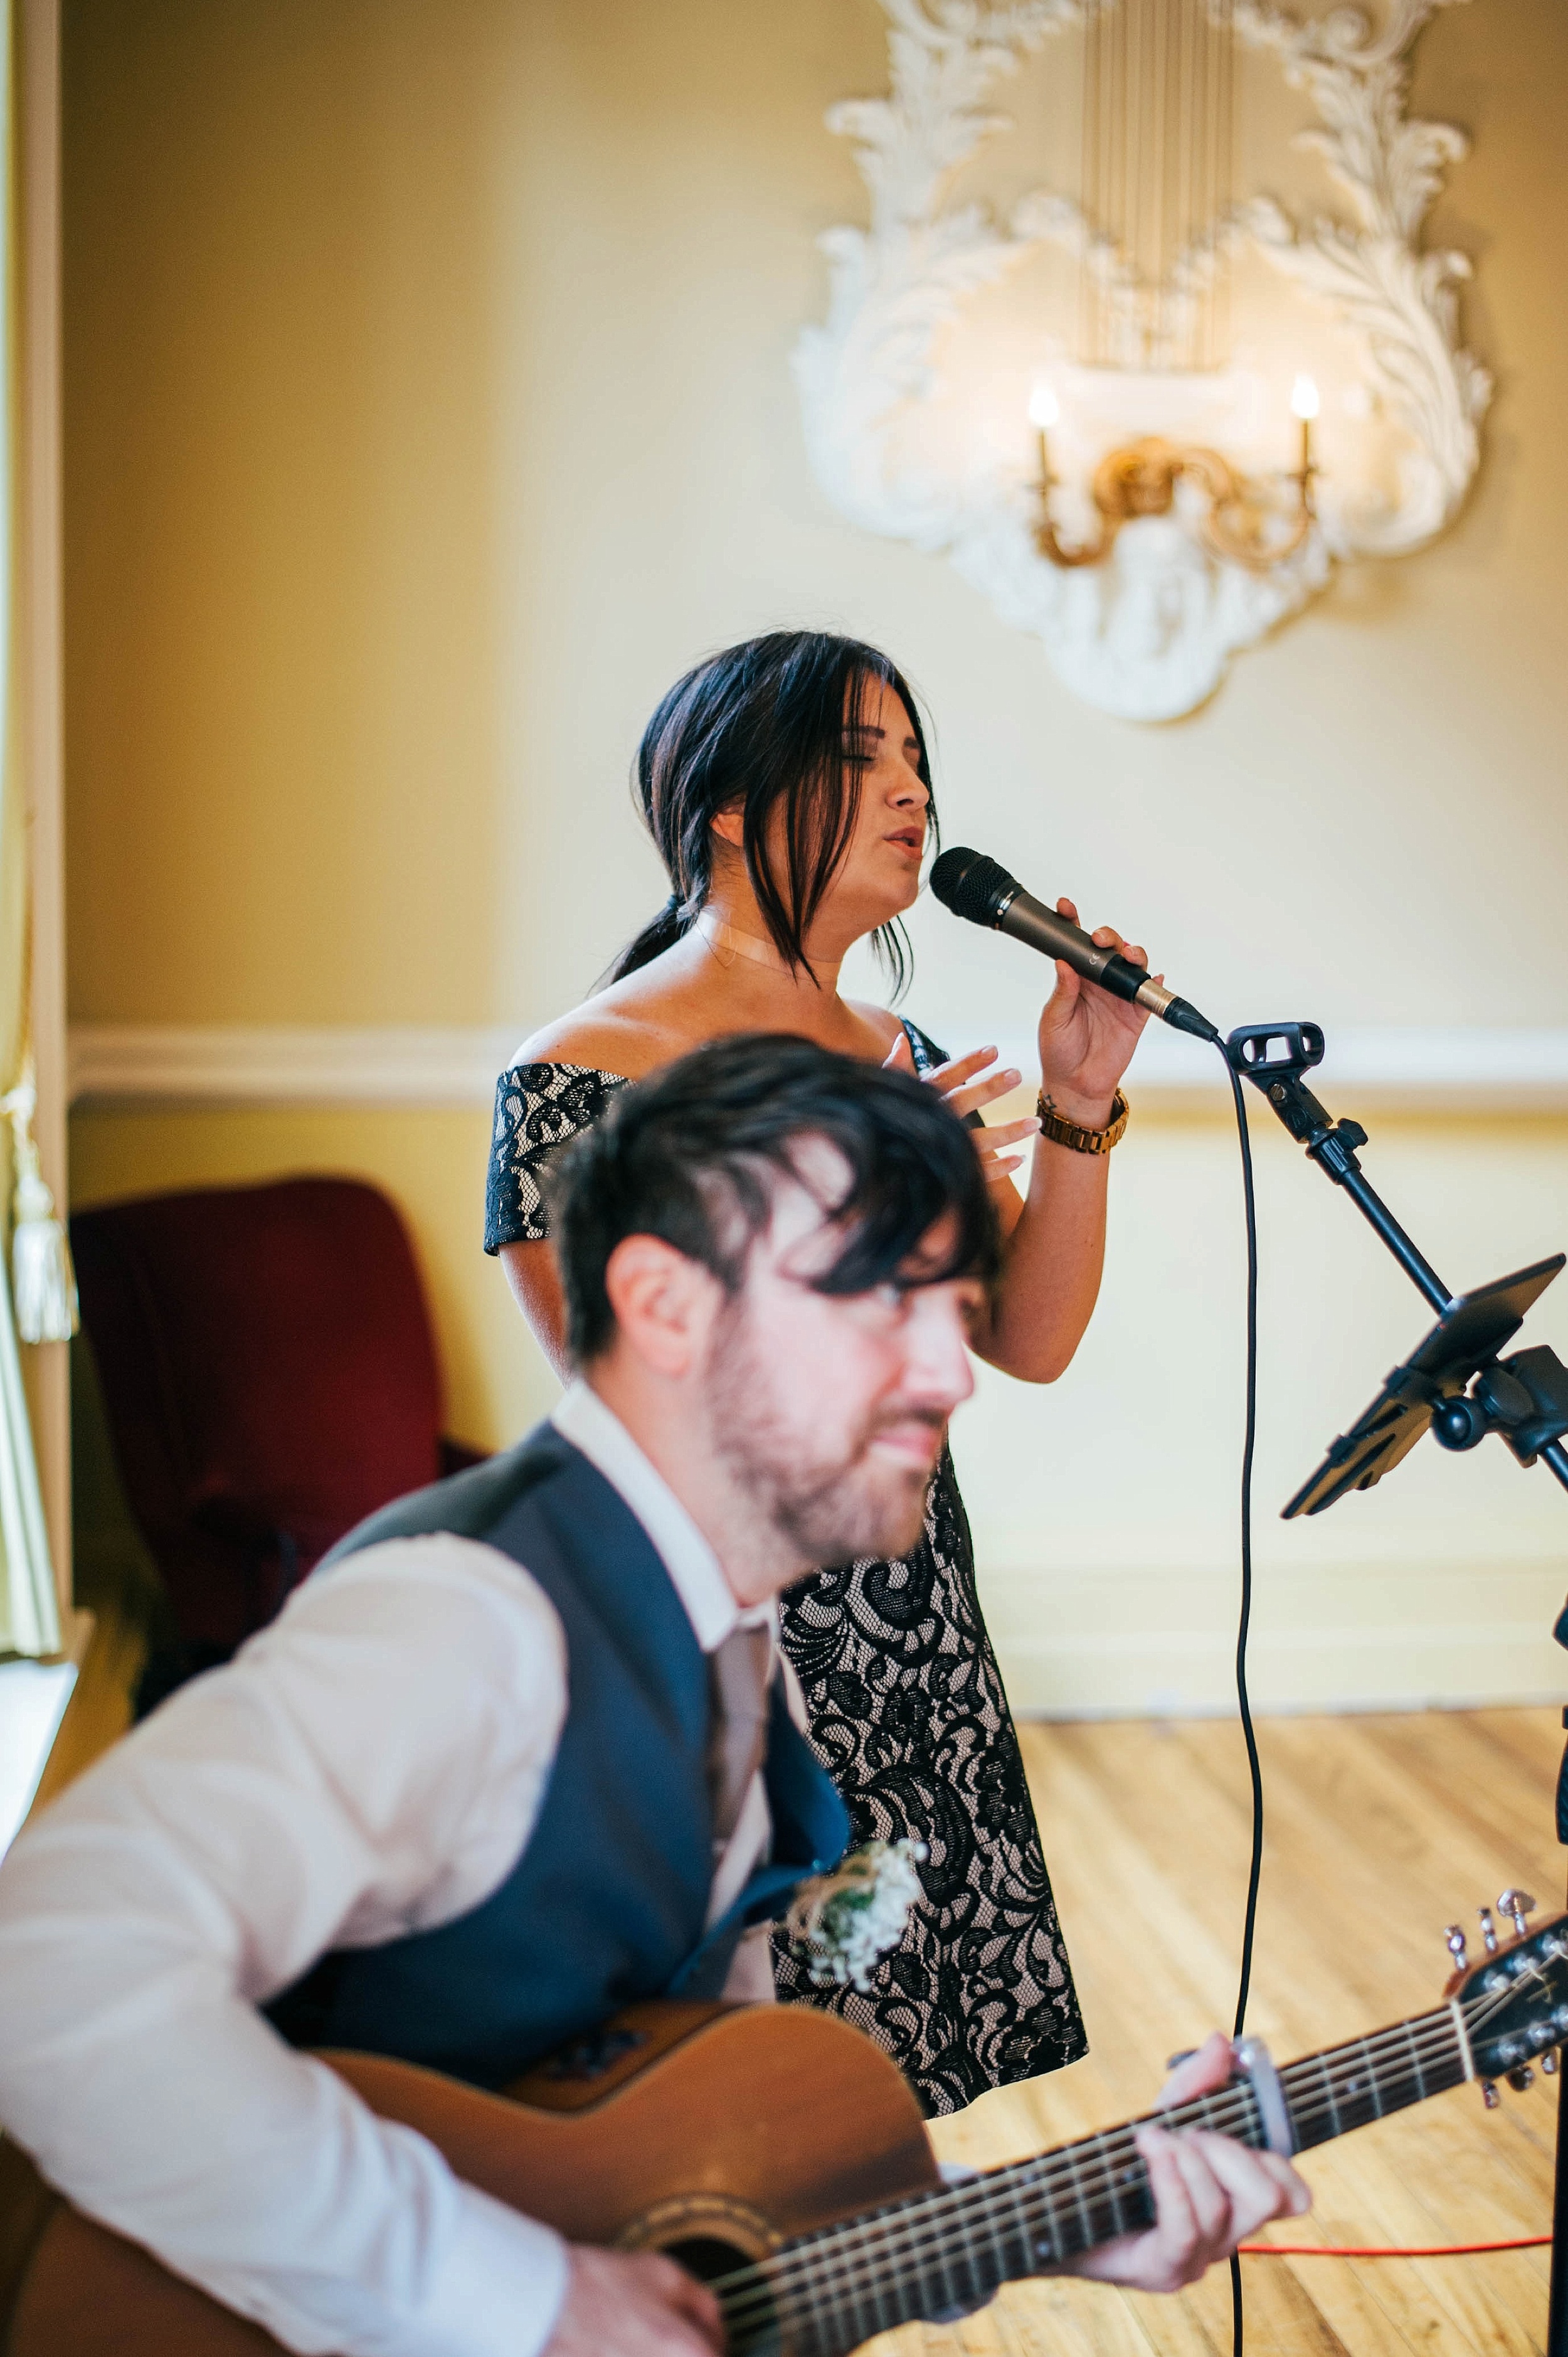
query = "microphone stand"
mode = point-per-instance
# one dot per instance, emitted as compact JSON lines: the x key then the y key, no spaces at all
{"x":1455,"y":1385}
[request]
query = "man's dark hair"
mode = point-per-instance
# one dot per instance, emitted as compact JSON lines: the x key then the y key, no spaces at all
{"x":694,"y":1155}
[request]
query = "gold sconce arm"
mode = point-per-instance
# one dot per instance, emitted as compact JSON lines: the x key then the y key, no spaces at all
{"x":1140,"y":480}
{"x":1046,"y":540}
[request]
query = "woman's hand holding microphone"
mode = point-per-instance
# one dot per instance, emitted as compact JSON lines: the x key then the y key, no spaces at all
{"x":1086,"y":1042}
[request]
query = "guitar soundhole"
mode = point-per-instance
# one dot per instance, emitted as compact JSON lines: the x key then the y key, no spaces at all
{"x":706,"y":2258}
{"x":711,"y":2236}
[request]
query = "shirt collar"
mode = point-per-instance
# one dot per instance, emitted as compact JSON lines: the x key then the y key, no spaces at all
{"x":583,"y":1418}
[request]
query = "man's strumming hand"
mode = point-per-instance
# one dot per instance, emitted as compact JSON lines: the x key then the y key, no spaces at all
{"x":634,"y":2304}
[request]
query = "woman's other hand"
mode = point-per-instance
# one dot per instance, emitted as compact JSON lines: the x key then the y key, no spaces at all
{"x":968,"y":1086}
{"x":1086,"y":1037}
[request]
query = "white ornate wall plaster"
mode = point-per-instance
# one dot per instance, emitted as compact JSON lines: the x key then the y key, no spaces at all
{"x":1149,"y":634}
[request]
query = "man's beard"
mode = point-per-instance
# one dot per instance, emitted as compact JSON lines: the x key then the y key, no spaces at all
{"x":827,"y":1509}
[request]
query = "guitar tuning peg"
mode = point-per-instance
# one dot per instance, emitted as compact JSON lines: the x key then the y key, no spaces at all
{"x":1520,"y":2078}
{"x":1488,"y":1930}
{"x":1489,"y":2096}
{"x":1548,"y":2064}
{"x":1454,"y":1938}
{"x":1517,"y":1905}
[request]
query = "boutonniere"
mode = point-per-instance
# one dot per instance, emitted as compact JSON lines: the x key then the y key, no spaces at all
{"x":841,"y":1924}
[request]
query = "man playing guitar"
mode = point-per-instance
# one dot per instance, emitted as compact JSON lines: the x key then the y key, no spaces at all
{"x":520,"y":1754}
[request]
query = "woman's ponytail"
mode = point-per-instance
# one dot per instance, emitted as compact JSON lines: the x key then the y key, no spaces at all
{"x":673,"y":919}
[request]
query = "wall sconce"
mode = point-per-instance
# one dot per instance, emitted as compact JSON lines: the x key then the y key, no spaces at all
{"x":1239,"y":524}
{"x":1169,"y":537}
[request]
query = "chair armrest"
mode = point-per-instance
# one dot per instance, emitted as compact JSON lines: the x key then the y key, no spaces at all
{"x":456,"y":1456}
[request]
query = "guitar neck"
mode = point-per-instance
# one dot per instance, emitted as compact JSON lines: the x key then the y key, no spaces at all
{"x":943,"y":2252}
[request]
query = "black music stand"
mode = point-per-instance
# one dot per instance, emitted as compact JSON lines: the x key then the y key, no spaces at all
{"x":1520,"y":1397}
{"x":1453,"y":1384}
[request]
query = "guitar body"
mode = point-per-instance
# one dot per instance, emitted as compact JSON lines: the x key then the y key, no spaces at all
{"x":722,"y":2133}
{"x":715,"y":2132}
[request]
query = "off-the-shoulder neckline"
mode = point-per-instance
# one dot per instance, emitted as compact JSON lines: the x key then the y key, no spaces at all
{"x":559,"y":1065}
{"x":623,"y":1079}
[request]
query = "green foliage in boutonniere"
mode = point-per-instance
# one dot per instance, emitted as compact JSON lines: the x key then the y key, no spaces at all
{"x":842,"y":1924}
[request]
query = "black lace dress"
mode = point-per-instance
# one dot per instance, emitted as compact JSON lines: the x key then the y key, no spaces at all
{"x":908,"y":1714}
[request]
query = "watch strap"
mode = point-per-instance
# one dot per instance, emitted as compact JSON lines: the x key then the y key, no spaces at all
{"x":1062,"y":1132}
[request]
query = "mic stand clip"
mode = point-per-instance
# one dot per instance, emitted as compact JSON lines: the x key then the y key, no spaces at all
{"x":1274,"y":1055}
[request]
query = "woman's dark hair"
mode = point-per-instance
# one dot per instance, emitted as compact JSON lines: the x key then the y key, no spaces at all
{"x":695,"y":1154}
{"x":759,"y":726}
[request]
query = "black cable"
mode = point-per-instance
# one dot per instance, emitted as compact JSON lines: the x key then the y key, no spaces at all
{"x":1243,"y":1702}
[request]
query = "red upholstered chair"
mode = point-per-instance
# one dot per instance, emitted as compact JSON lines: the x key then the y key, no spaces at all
{"x":269,"y":1378}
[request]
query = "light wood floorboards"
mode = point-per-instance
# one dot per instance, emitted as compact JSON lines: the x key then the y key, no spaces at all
{"x":1380,"y":1831}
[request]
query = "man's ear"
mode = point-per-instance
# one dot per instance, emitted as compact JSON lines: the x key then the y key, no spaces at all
{"x":664,"y":1304}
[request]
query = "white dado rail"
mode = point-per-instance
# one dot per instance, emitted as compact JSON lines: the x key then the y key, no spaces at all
{"x":137,"y":1065}
{"x":1419,"y":1067}
{"x":388,"y":1065}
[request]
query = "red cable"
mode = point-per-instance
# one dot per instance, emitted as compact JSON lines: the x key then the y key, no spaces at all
{"x":1387,"y":2250}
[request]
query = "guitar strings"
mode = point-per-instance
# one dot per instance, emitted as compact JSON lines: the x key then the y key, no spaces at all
{"x":850,"y":2292}
{"x":883,"y":2267}
{"x":905,"y":2230}
{"x":1400,"y":2043}
{"x":872,"y":2274}
{"x":1032,"y":2193}
{"x":885,"y":2241}
{"x":1044,"y":2176}
{"x":781,"y":2292}
{"x":882,"y":2246}
{"x":1033,"y":2181}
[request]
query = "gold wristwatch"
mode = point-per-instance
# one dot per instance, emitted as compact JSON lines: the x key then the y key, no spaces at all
{"x":1062,"y":1132}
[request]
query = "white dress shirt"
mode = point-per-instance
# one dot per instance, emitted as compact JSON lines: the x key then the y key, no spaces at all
{"x":369,"y":1766}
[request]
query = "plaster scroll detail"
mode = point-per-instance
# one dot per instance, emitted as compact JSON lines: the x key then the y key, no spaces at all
{"x":1149,"y":633}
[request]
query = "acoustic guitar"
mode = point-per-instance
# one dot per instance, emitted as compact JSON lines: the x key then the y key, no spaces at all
{"x":777,"y":2153}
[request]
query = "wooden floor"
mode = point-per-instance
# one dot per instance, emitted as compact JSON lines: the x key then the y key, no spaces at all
{"x":1380,"y":1832}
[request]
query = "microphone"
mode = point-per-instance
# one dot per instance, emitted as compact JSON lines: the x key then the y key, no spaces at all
{"x":982,"y":891}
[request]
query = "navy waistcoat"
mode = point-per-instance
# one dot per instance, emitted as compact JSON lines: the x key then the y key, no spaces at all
{"x":607,"y":1901}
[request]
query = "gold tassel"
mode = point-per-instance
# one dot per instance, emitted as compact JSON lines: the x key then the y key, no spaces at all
{"x":43,"y":1282}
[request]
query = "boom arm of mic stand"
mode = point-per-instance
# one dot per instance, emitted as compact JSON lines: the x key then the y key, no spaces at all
{"x":1273,"y":1056}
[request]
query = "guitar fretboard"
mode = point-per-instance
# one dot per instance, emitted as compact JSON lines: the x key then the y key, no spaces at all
{"x":945,"y":2252}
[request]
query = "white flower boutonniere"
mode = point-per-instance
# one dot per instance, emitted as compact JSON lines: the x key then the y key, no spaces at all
{"x":845,"y":1923}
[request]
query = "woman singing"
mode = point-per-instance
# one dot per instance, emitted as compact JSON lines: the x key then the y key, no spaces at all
{"x":787,"y":786}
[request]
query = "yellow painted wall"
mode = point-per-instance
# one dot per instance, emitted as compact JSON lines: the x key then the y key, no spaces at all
{"x":428,"y":409}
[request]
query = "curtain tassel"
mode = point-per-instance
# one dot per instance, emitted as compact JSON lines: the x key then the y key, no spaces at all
{"x":43,"y":1282}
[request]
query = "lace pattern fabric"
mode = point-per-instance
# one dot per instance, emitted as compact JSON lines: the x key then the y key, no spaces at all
{"x":908,"y":1714}
{"x":540,"y":1108}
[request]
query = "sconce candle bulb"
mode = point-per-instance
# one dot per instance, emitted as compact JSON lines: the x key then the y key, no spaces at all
{"x":1045,"y":409}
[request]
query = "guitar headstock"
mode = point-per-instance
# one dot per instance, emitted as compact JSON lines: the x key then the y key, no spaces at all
{"x":1514,"y":1999}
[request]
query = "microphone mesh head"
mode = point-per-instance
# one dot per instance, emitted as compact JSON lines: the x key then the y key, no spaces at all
{"x":972,"y":886}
